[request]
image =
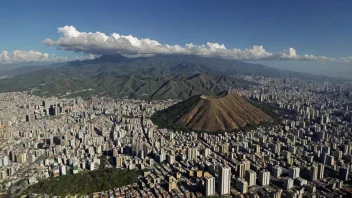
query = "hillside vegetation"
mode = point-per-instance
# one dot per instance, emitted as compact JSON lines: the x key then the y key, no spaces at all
{"x":85,"y":183}
{"x":157,"y":77}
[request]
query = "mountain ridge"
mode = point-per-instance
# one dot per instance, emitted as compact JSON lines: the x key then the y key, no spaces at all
{"x":188,"y":75}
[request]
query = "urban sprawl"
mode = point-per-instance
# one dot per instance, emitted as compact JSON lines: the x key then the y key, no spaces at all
{"x":308,"y":154}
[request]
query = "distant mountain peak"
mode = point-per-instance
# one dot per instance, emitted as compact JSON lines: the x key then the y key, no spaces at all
{"x":112,"y":58}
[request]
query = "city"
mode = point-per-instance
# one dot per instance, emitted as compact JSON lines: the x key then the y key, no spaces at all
{"x":175,"y":99}
{"x":308,"y":154}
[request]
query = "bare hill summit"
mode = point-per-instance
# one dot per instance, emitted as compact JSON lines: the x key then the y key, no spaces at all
{"x":225,"y":112}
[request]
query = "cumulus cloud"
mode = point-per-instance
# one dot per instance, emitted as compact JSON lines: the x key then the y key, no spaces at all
{"x":4,"y":57}
{"x":99,"y":43}
{"x":34,"y":56}
{"x":20,"y":56}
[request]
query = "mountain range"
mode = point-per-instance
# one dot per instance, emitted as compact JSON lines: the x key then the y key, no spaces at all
{"x":155,"y":77}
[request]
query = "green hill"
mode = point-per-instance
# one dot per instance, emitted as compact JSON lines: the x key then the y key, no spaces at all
{"x":85,"y":183}
{"x":156,"y":77}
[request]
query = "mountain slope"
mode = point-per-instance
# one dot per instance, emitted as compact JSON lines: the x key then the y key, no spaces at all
{"x":156,"y":77}
{"x":225,"y":112}
{"x":176,"y":87}
{"x":226,"y":66}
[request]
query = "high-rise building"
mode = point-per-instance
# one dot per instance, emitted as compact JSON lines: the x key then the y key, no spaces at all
{"x":325,"y":149}
{"x":256,"y":148}
{"x":251,"y":177}
{"x":241,"y":169}
{"x":21,"y":158}
{"x":292,"y":149}
{"x":209,"y":185}
{"x":161,"y":156}
{"x":264,"y":178}
{"x":224,"y":147}
{"x":330,"y":160}
{"x":313,"y":172}
{"x":275,"y":193}
{"x":150,"y":133}
{"x":276,"y":148}
{"x":170,"y":158}
{"x":343,"y":173}
{"x":206,"y":152}
{"x":338,"y":154}
{"x":172,"y":136}
{"x":294,"y":172}
{"x":118,"y":161}
{"x":277,"y":171}
{"x":4,"y":161}
{"x":346,"y":149}
{"x":63,"y":170}
{"x":287,"y":154}
{"x":191,"y":153}
{"x":115,"y":152}
{"x":321,"y":169}
{"x":288,"y":183}
{"x":74,"y":168}
{"x":91,"y":166}
{"x":247,"y":164}
{"x":171,"y":184}
{"x":242,"y":185}
{"x":3,"y":175}
{"x":224,"y":180}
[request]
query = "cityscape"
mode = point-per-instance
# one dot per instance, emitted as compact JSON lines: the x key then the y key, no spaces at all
{"x":308,"y":154}
{"x":175,"y":99}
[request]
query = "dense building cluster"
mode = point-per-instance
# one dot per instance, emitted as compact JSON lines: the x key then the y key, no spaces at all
{"x":307,"y":154}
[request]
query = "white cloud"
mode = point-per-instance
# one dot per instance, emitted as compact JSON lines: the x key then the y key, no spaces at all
{"x":99,"y":43}
{"x":34,"y":56}
{"x":20,"y":56}
{"x":4,"y":57}
{"x":347,"y":59}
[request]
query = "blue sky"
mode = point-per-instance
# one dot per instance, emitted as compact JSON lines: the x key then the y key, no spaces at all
{"x":319,"y":27}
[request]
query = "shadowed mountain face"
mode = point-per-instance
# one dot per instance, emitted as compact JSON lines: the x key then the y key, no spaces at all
{"x":225,"y":112}
{"x":157,"y":77}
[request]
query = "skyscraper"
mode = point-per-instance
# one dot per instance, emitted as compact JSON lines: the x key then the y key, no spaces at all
{"x":251,"y":177}
{"x":294,"y":172}
{"x":241,"y":169}
{"x":330,"y":160}
{"x":118,"y":161}
{"x":288,"y":183}
{"x":321,"y":171}
{"x":343,"y":173}
{"x":191,"y":153}
{"x":277,"y":171}
{"x":224,"y":180}
{"x":209,"y":185}
{"x":63,"y":170}
{"x":224,"y":147}
{"x":313,"y":173}
{"x":170,"y":158}
{"x":242,"y":185}
{"x":247,"y":164}
{"x":264,"y":178}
